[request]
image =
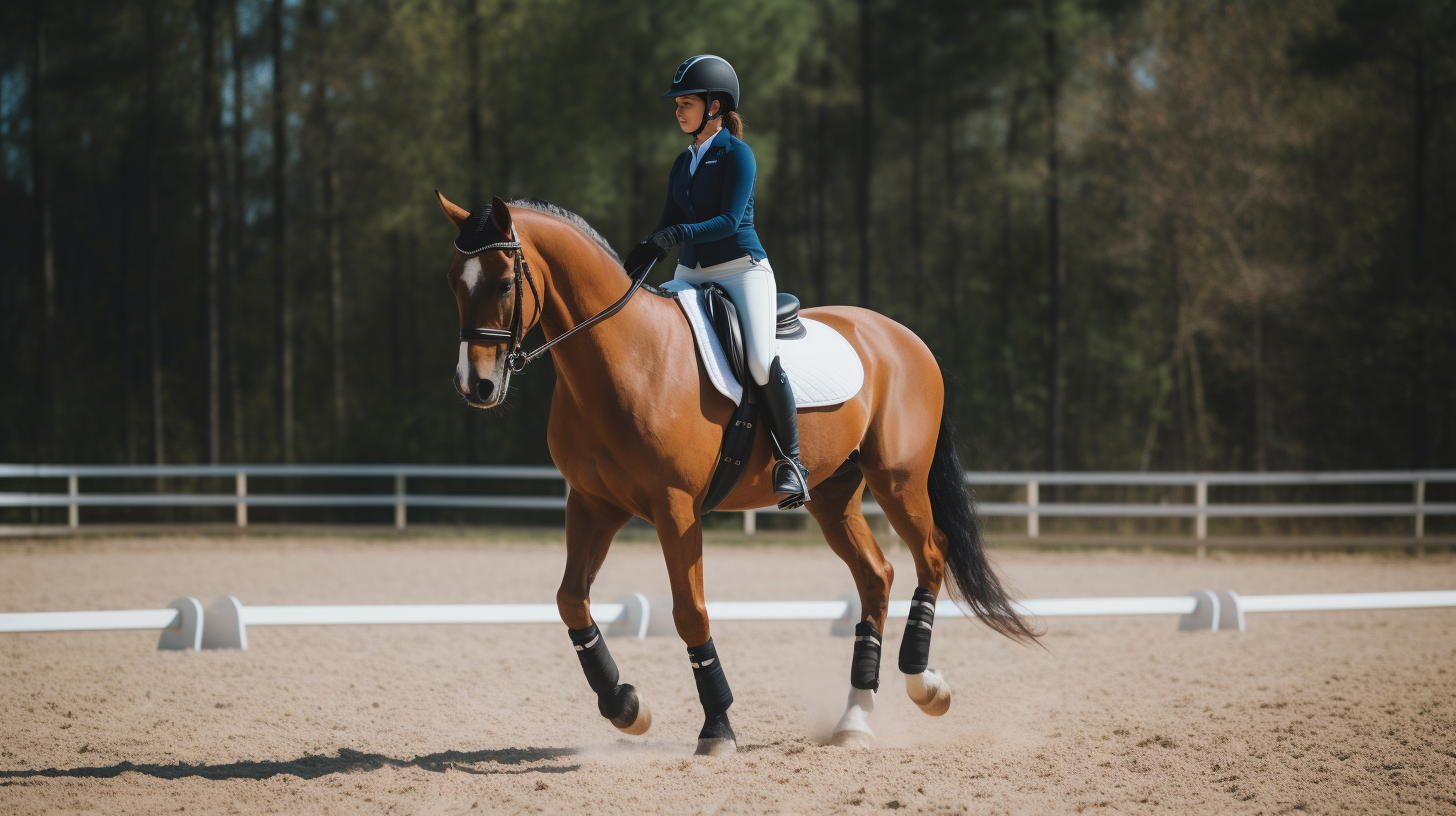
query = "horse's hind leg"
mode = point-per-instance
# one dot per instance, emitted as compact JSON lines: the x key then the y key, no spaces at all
{"x":835,"y":505}
{"x":590,"y":526}
{"x":906,"y":503}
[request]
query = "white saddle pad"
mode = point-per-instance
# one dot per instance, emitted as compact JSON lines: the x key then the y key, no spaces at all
{"x":823,"y":368}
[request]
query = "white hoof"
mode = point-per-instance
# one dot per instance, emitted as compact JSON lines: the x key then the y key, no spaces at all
{"x":716,"y":747}
{"x":852,"y":739}
{"x":853,"y":729}
{"x":929,"y":691}
{"x":638,"y":726}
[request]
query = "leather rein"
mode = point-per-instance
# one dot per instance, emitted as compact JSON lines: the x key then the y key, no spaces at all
{"x":517,"y":358}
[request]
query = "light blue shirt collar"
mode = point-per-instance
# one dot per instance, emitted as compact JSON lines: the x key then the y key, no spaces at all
{"x":698,"y":151}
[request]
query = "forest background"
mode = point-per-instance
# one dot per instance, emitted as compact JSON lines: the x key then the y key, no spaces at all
{"x":1139,"y":234}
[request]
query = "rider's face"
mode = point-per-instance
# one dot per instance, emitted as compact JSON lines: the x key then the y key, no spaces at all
{"x":690,"y":111}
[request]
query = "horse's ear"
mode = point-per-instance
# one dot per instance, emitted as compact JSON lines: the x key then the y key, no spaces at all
{"x":500,"y":216}
{"x":456,"y":215}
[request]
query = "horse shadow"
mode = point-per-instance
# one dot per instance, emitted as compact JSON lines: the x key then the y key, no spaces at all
{"x":317,"y":765}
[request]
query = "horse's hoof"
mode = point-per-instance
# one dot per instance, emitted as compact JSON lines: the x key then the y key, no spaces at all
{"x":635,"y":718}
{"x":852,"y":738}
{"x":853,"y":729}
{"x":929,"y":691}
{"x":716,"y":746}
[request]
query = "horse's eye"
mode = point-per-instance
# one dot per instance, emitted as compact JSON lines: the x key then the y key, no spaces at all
{"x":504,"y":288}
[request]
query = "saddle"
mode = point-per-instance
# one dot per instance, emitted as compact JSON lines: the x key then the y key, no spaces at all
{"x":823,"y":367}
{"x":722,"y":317}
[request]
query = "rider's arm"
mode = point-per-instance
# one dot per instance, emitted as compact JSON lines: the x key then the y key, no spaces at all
{"x":738,"y":177}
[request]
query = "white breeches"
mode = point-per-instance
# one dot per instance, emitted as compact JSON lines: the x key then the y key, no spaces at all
{"x":752,"y":288}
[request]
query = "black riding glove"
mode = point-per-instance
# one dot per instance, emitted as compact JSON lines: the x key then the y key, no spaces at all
{"x":653,"y":248}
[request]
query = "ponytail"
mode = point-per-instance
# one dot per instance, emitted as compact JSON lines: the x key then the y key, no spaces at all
{"x":733,"y":124}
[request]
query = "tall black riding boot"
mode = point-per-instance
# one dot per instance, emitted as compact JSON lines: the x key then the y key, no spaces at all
{"x":790,"y":479}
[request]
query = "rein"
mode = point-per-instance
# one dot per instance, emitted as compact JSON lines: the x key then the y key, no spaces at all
{"x":516,"y":358}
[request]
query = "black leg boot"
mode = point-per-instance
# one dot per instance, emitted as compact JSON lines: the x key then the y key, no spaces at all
{"x":618,"y":702}
{"x":717,"y":736}
{"x":790,"y":479}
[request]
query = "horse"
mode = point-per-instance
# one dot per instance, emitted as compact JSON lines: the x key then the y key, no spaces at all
{"x":635,"y":429}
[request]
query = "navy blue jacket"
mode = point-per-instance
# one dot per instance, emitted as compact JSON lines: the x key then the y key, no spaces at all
{"x":715,"y":204}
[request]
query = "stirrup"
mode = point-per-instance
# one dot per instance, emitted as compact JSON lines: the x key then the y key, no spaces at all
{"x":795,"y":499}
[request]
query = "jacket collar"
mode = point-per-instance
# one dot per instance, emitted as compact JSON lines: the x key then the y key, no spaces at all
{"x":719,"y":139}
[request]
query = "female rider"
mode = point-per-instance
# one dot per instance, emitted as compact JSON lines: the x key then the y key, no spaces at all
{"x":709,"y":210}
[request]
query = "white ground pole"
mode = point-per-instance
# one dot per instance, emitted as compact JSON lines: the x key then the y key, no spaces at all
{"x":180,"y":622}
{"x":224,"y":624}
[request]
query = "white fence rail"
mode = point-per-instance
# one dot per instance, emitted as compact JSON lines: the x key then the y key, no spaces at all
{"x":1033,"y":509}
{"x":224,"y":624}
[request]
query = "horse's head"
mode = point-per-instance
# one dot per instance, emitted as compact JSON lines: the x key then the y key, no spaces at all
{"x":483,"y":278}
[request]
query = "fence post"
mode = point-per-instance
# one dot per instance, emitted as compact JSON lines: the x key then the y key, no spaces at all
{"x":242,"y":499}
{"x":750,"y":522}
{"x":1200,"y":523}
{"x":399,"y":511}
{"x":73,"y":485}
{"x":1033,"y":519}
{"x":1420,"y":508}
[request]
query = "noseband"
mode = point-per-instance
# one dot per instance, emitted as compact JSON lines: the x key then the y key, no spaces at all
{"x":516,"y":358}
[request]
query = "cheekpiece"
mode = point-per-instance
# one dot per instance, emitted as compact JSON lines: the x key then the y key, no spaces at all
{"x":478,"y":234}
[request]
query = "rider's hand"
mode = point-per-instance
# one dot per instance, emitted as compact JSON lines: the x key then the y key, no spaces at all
{"x":653,"y":248}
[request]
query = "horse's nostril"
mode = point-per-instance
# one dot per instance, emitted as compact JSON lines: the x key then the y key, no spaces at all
{"x":483,"y":390}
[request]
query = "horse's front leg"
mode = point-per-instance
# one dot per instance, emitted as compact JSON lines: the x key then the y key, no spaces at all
{"x":680,"y":530}
{"x":590,"y":525}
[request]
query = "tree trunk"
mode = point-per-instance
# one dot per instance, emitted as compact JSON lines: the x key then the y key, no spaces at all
{"x":280,"y":240}
{"x":1008,"y":268}
{"x":820,"y":263}
{"x":336,"y":293}
{"x":1261,"y":396}
{"x":159,"y":449}
{"x":234,"y":222}
{"x":917,"y":230}
{"x":474,"y":124}
{"x":952,"y":229}
{"x":41,"y":171}
{"x":211,"y":223}
{"x":866,"y":148}
{"x":1056,"y":253}
{"x":1200,"y":403}
{"x":1419,"y":436}
{"x":953,"y":255}
{"x":323,"y":139}
{"x":45,"y":253}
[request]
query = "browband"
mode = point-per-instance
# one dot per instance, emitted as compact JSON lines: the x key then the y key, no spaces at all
{"x":516,"y":244}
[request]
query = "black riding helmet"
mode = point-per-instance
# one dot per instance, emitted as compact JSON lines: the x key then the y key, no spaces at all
{"x":708,"y":76}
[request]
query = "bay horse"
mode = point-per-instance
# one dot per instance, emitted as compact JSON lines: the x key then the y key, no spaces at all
{"x":635,"y":428}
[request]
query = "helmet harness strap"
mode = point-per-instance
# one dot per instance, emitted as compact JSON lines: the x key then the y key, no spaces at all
{"x":708,"y":116}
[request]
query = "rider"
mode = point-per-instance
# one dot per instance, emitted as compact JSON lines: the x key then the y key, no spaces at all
{"x":709,"y":209}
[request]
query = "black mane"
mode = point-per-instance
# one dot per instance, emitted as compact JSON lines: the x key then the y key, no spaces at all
{"x":541,"y":205}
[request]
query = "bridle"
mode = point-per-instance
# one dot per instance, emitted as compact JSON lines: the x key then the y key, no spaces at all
{"x":513,"y":338}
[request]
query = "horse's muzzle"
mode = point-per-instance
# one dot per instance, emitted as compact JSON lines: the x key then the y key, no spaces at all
{"x":482,"y":392}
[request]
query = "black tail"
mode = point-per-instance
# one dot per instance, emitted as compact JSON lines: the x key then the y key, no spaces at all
{"x":970,"y":575}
